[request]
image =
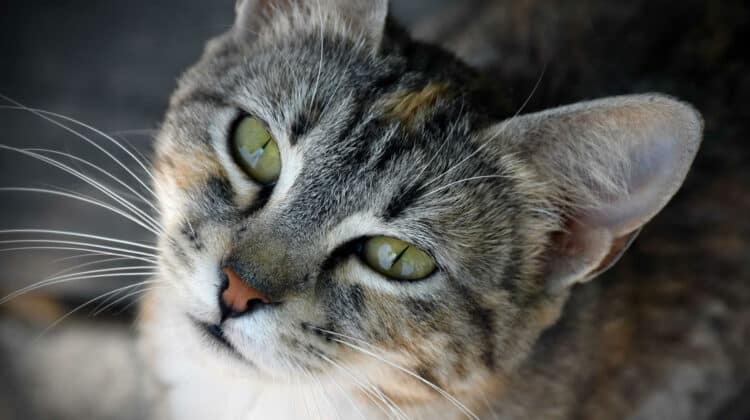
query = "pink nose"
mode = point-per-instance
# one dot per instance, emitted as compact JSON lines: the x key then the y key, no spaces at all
{"x":239,"y":297}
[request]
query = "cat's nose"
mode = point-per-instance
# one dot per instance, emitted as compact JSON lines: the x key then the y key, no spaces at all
{"x":239,"y":298}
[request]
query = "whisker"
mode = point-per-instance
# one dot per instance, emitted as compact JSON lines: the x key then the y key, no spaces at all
{"x":371,"y":391}
{"x":145,"y":217}
{"x":46,"y":115}
{"x":39,"y":285}
{"x":76,"y":243}
{"x":314,"y":399}
{"x":101,"y":270}
{"x":61,"y":248}
{"x":347,"y":397}
{"x":302,"y":389}
{"x":87,"y":264}
{"x":135,"y":301}
{"x":84,"y":199}
{"x":74,"y":257}
{"x":325,"y":394}
{"x":98,"y":169}
{"x":85,"y":304}
{"x":442,"y":392}
{"x":78,"y":235}
{"x":100,"y":309}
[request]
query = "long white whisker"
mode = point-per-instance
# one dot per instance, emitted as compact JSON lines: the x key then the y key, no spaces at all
{"x":347,"y":397}
{"x":67,"y":248}
{"x":46,"y":116}
{"x":76,"y":243}
{"x":442,"y":392}
{"x":78,"y":235}
{"x":302,"y":389}
{"x":100,"y":170}
{"x":371,"y":391}
{"x":86,"y":264}
{"x":401,"y":368}
{"x":39,"y":285}
{"x":101,"y":270}
{"x":135,"y":301}
{"x":325,"y":394}
{"x":314,"y":399}
{"x":145,"y":217}
{"x":348,"y":337}
{"x":74,"y":257}
{"x":103,"y":306}
{"x":85,"y":200}
{"x":358,"y":340}
{"x":85,"y":304}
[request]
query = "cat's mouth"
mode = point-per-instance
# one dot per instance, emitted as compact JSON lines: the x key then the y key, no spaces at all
{"x":215,"y":333}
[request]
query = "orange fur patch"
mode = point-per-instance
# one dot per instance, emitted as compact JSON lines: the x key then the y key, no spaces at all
{"x":190,"y":172}
{"x":406,"y":106}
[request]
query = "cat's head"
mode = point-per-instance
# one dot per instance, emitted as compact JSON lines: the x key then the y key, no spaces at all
{"x":334,"y":193}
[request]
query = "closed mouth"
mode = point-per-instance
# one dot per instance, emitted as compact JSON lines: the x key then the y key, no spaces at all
{"x":215,"y":334}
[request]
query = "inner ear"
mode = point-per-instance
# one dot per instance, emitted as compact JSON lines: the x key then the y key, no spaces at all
{"x":580,"y":253}
{"x":610,"y":166}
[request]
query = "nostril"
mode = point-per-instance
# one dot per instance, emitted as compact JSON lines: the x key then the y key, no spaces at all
{"x":254,"y":304}
{"x":238,"y":297}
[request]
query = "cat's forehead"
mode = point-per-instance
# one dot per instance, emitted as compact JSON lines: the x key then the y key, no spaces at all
{"x":375,"y":133}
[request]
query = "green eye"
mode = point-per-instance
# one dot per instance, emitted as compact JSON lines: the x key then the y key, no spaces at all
{"x":256,"y":151}
{"x":397,"y":259}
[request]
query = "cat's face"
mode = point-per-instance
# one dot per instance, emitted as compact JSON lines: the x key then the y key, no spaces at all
{"x":353,"y":166}
{"x":375,"y":139}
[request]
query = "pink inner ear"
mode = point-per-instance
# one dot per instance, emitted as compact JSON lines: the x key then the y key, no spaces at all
{"x":615,"y":163}
{"x":582,"y":252}
{"x":617,"y":249}
{"x":649,"y":178}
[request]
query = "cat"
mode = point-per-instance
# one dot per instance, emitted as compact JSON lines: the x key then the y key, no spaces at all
{"x":357,"y":224}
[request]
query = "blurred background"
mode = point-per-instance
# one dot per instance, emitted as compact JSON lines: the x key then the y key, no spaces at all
{"x":113,"y":65}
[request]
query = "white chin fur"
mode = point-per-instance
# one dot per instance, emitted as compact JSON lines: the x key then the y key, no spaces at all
{"x":202,"y":381}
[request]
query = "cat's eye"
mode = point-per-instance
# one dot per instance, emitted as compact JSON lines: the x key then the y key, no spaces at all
{"x":256,"y":151}
{"x":397,"y":259}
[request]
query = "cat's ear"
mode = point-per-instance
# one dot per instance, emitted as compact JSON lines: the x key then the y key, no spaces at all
{"x":364,"y":17}
{"x":612,"y":165}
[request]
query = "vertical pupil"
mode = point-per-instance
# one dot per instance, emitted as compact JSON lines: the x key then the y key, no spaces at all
{"x":255,"y":150}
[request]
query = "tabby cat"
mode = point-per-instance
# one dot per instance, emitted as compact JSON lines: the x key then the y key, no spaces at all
{"x":360,"y":225}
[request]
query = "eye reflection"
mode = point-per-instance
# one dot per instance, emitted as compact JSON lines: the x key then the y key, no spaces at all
{"x":397,"y":259}
{"x":256,"y":151}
